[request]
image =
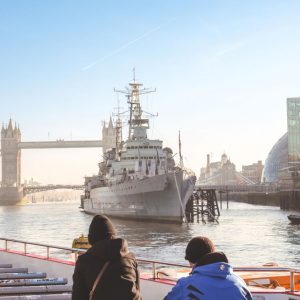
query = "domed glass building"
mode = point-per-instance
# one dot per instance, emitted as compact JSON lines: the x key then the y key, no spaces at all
{"x":276,"y":160}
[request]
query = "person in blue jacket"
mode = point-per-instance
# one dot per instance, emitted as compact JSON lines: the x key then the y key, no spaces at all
{"x":212,"y":278}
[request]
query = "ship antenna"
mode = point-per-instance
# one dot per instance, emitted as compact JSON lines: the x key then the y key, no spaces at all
{"x":133,"y":70}
{"x":180,"y":155}
{"x":130,"y":115}
{"x":118,"y":130}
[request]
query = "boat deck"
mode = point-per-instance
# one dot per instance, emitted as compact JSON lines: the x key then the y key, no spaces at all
{"x":46,"y":275}
{"x":19,"y":283}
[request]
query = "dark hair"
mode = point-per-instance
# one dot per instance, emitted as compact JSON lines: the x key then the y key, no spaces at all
{"x":101,"y":228}
{"x":197,"y":248}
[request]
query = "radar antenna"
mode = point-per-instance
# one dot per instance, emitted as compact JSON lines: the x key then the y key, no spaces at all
{"x":133,"y":93}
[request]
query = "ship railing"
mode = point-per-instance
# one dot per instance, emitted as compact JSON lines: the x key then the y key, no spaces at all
{"x":161,"y":268}
{"x":291,"y":271}
{"x":155,"y":267}
{"x":49,"y":252}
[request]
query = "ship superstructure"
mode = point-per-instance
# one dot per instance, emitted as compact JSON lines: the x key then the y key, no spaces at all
{"x":137,"y":177}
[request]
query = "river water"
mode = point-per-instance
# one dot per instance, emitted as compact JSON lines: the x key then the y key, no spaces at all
{"x":249,"y":235}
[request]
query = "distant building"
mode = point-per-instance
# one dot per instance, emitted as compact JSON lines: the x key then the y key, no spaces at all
{"x":224,"y":172}
{"x":221,"y":172}
{"x":253,"y":172}
{"x":31,"y":182}
{"x":277,"y":160}
{"x":283,"y":162}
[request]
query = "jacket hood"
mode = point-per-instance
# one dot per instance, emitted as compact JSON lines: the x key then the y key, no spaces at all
{"x":107,"y":249}
{"x":219,"y":269}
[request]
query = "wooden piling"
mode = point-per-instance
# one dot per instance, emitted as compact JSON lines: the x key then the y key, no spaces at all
{"x":203,"y":203}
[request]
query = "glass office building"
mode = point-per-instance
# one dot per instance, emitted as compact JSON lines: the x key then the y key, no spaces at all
{"x":276,"y":160}
{"x":285,"y":154}
{"x":293,"y":123}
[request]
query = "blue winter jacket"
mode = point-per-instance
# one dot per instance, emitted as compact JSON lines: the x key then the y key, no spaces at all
{"x":210,"y":282}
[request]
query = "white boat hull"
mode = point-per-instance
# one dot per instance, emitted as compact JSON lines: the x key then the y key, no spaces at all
{"x":150,"y":288}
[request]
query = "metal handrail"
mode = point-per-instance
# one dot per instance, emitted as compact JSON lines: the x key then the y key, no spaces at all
{"x":161,"y":263}
{"x":154,"y":264}
{"x":292,"y":272}
{"x":48,"y":247}
{"x":266,"y":269}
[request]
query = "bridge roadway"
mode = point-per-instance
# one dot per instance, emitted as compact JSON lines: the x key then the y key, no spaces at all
{"x":40,"y":188}
{"x":60,"y":144}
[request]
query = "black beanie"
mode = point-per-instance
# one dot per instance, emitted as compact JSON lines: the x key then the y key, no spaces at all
{"x":211,"y":258}
{"x":101,"y":228}
{"x":197,"y":248}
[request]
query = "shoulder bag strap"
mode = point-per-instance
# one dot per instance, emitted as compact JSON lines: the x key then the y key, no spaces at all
{"x":97,"y":280}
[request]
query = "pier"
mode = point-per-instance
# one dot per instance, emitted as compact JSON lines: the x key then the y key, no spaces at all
{"x":202,"y":205}
{"x":261,"y":194}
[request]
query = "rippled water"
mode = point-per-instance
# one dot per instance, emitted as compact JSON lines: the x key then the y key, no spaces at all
{"x":248,"y":234}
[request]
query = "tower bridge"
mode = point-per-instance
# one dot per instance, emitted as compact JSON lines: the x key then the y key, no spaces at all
{"x":11,"y":190}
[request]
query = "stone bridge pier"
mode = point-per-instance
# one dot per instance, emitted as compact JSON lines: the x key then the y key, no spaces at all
{"x":11,"y":191}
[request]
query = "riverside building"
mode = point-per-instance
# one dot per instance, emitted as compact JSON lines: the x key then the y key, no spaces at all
{"x":283,"y":162}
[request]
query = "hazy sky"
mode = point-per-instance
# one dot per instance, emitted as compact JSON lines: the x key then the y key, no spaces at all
{"x":222,"y":70}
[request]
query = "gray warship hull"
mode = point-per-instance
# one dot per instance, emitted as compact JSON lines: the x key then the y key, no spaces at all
{"x":158,"y":198}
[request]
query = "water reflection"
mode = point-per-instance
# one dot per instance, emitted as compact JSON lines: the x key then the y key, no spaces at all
{"x":143,"y":234}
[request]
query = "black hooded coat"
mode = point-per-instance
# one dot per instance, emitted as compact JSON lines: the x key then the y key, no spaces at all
{"x":120,"y":281}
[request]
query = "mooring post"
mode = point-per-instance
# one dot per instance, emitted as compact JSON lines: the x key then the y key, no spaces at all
{"x":227,"y":196}
{"x":197,"y":209}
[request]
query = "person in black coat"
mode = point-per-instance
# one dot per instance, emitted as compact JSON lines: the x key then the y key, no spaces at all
{"x":120,"y":280}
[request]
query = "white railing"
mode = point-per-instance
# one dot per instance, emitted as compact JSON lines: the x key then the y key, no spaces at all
{"x":9,"y":242}
{"x":291,"y":272}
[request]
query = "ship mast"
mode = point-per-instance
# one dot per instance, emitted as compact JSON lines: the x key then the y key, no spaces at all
{"x":180,"y":154}
{"x":133,"y":99}
{"x":118,"y":132}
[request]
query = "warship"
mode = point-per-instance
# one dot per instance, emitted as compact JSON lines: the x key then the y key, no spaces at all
{"x":138,"y":178}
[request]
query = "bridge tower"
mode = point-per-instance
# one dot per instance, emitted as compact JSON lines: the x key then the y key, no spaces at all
{"x":11,"y":190}
{"x":109,"y":136}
